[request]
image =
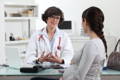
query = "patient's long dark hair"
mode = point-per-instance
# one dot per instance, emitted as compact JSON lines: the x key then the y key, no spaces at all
{"x":95,"y":18}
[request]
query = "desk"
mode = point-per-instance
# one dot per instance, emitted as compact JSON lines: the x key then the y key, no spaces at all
{"x":110,"y":75}
{"x":15,"y":74}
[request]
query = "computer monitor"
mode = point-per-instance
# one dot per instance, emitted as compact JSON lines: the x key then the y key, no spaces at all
{"x":66,"y":26}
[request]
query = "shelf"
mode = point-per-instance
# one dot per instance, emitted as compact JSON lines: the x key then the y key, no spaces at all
{"x":21,"y":10}
{"x":17,"y":4}
{"x":19,"y":18}
{"x":18,"y":42}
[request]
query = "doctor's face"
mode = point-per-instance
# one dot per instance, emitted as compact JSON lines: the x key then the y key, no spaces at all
{"x":53,"y":21}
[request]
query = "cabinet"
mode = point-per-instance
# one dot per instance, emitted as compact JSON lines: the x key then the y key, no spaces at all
{"x":19,"y":21}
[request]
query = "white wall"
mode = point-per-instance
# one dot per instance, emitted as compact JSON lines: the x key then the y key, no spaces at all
{"x":2,"y":37}
{"x":73,"y":10}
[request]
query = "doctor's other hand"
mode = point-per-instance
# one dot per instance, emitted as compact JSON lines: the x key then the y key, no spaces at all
{"x":71,"y":62}
{"x":43,"y":58}
{"x":55,"y":59}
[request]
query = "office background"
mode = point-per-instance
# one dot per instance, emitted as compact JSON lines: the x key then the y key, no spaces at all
{"x":72,"y":10}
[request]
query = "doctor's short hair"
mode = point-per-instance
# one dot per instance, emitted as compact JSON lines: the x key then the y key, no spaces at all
{"x":53,"y":11}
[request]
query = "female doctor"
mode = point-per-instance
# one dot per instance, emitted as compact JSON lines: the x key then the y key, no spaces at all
{"x":87,"y":64}
{"x":50,"y":46}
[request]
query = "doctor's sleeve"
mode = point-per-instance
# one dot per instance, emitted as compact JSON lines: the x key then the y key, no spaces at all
{"x":67,"y":52}
{"x":87,"y":58}
{"x":31,"y":50}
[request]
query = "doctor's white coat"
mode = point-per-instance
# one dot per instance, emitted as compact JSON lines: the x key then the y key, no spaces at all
{"x":40,"y":43}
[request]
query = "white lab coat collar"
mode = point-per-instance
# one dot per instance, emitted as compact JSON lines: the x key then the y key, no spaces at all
{"x":44,"y":31}
{"x":45,"y":36}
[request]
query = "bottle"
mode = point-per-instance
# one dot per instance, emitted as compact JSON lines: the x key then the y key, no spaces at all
{"x":11,"y":38}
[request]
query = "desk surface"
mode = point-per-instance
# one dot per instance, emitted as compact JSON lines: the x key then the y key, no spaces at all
{"x":16,"y":72}
{"x":110,"y":72}
{"x":47,"y":72}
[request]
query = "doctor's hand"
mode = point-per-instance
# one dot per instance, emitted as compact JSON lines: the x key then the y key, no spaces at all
{"x":72,"y":62}
{"x":55,"y":59}
{"x":43,"y":58}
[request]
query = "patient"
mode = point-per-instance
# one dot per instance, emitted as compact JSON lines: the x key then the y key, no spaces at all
{"x":87,"y":64}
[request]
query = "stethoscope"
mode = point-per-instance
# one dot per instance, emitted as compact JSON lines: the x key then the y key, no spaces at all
{"x":41,"y":37}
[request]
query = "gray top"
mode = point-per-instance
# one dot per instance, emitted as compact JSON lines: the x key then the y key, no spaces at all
{"x":88,"y":62}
